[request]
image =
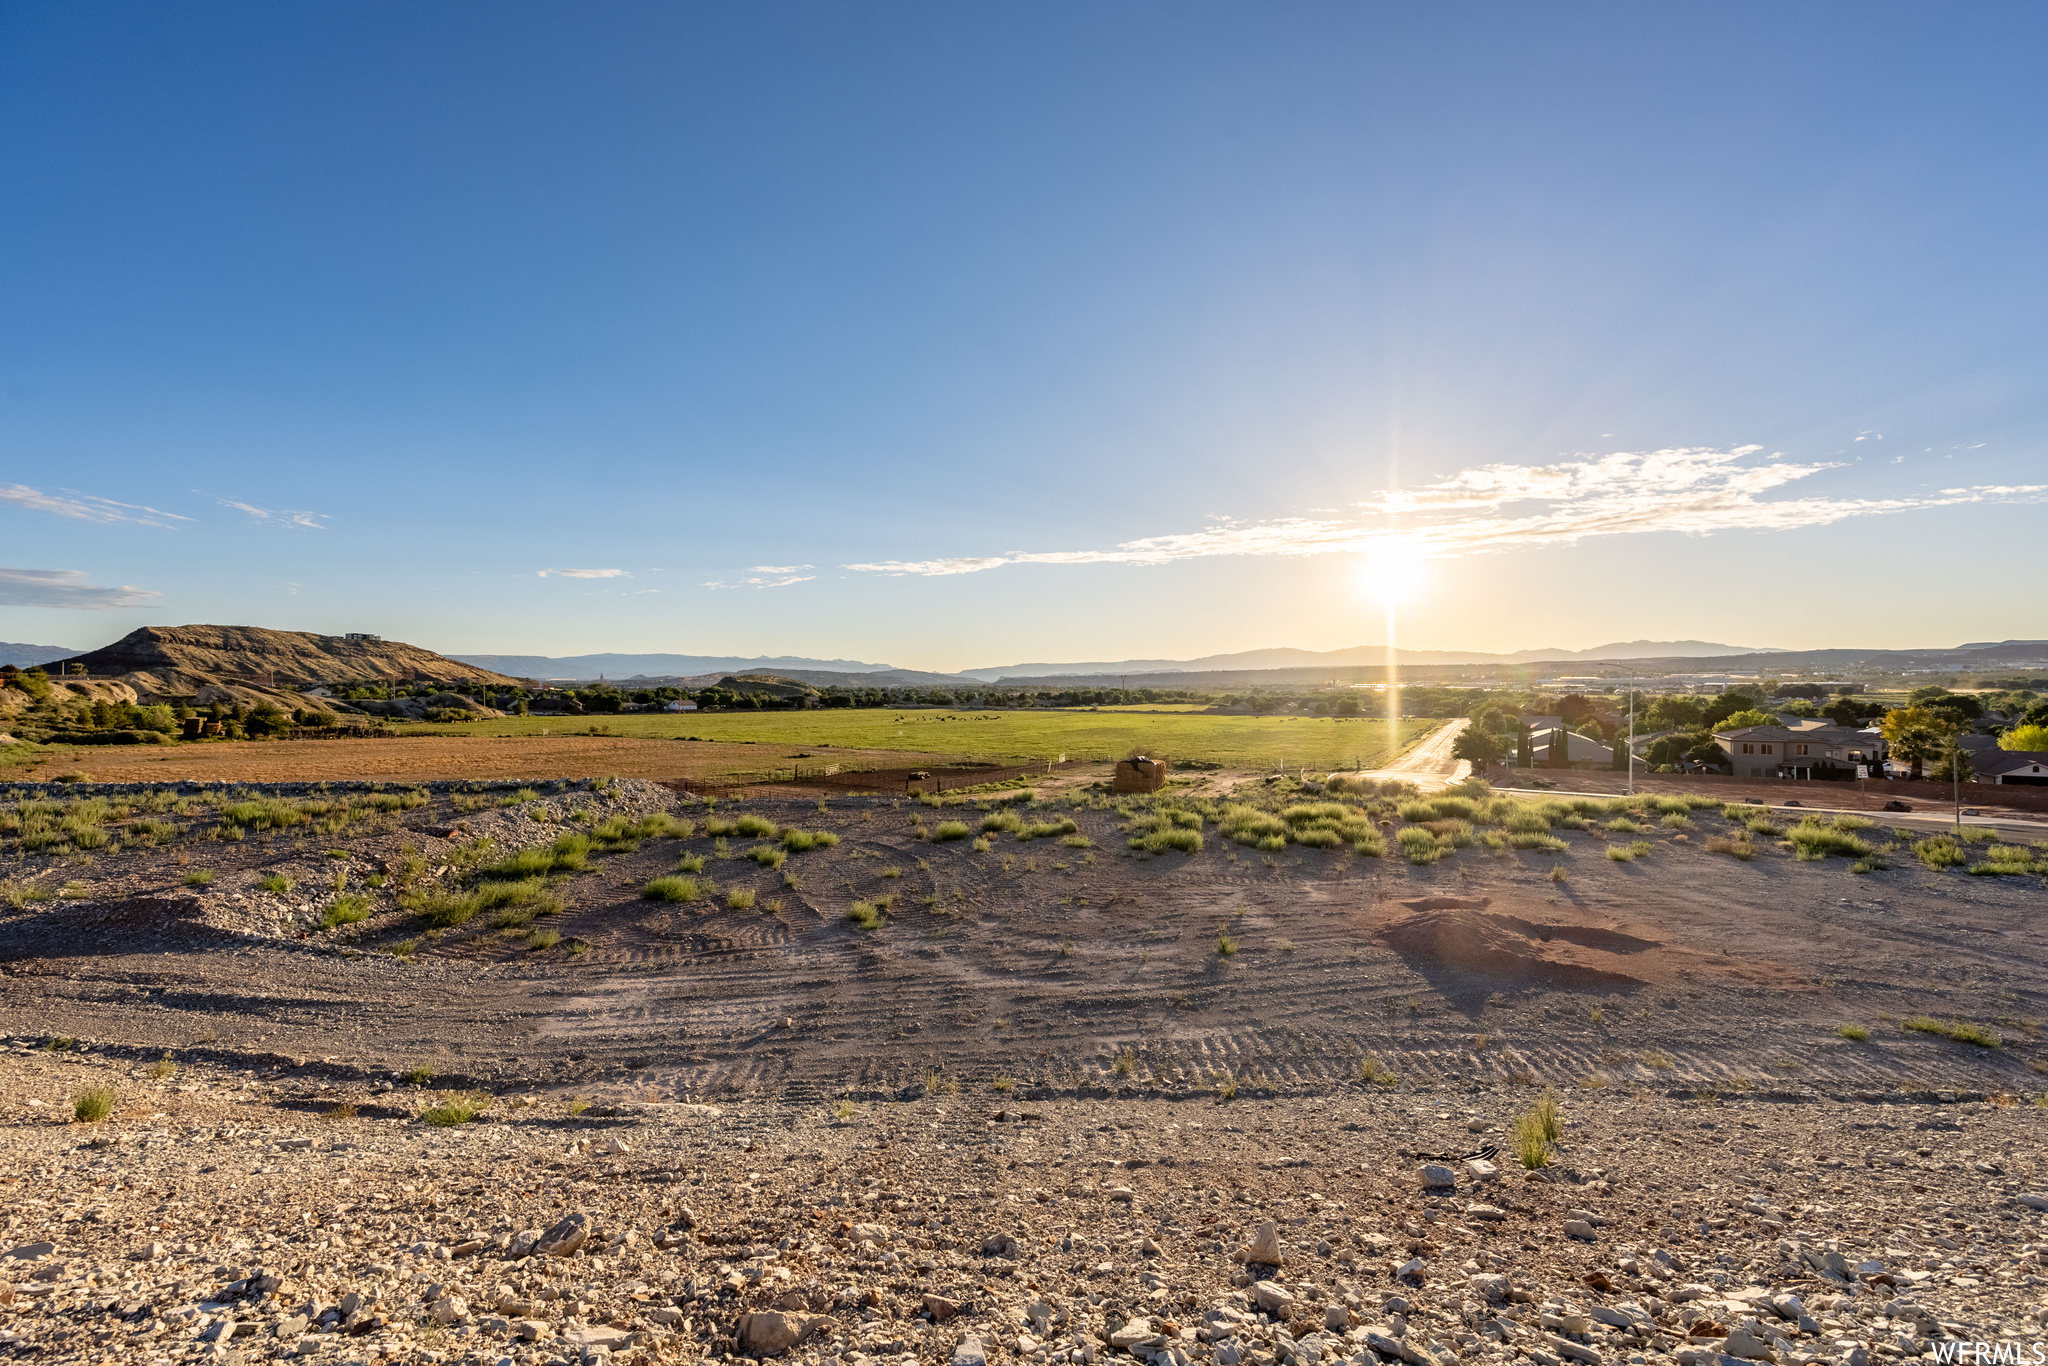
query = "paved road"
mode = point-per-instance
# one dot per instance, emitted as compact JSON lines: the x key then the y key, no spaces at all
{"x":1430,"y":765}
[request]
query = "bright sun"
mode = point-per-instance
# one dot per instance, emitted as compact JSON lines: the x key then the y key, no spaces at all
{"x":1395,"y":574}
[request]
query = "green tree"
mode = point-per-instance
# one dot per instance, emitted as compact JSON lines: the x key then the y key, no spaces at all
{"x":1481,"y":747}
{"x":1740,"y":719}
{"x":2027,"y":738}
{"x":1915,"y":734}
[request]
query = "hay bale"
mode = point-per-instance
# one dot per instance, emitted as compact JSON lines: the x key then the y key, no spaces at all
{"x":1139,"y":774}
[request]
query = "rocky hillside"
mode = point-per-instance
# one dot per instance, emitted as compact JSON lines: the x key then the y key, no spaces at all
{"x":183,"y":660}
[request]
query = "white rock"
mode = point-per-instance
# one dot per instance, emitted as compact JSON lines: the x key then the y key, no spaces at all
{"x":450,"y":1309}
{"x":1274,"y":1298}
{"x":1414,"y":1266}
{"x":1264,"y":1249}
{"x":1436,"y":1176}
{"x":1487,"y":1212}
{"x":1740,"y":1342}
{"x":1133,"y":1332}
{"x":1480,"y":1169}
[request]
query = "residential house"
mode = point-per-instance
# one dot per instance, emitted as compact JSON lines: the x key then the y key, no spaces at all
{"x":1579,"y":751}
{"x":2026,"y":768}
{"x":1822,"y":752}
{"x":681,"y":705}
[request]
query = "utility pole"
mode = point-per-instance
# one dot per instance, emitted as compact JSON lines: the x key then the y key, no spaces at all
{"x":1631,"y":742}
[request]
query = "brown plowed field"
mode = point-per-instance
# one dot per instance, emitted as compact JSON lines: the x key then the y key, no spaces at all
{"x":427,"y":757}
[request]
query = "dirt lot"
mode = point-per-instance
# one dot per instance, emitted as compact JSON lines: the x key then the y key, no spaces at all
{"x":1036,"y":960}
{"x":1040,"y":1087}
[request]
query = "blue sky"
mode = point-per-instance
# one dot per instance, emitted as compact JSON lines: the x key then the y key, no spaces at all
{"x":955,"y":335}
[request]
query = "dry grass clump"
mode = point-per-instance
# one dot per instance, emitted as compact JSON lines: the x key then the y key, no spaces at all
{"x":951,"y":830}
{"x":866,"y":915}
{"x":1373,"y":1072}
{"x":1734,"y":848}
{"x":1535,"y":1131}
{"x":1853,"y":1033}
{"x":1628,"y":853}
{"x":673,"y":889}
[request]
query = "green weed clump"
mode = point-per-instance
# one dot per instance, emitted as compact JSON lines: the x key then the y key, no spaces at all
{"x":1535,"y":1131}
{"x":454,"y":1110}
{"x":739,"y":899}
{"x":94,"y":1104}
{"x":1045,"y":830}
{"x":672,"y":889}
{"x":346,"y":909}
{"x":199,"y":877}
{"x":996,"y":822}
{"x":1373,"y":1072}
{"x":865,"y":915}
{"x":803,"y":841}
{"x":1853,"y":1033}
{"x":1418,"y":845}
{"x":1734,"y":848}
{"x":951,"y":830}
{"x":1813,"y":839}
{"x":1628,"y":853}
{"x":768,"y":855}
{"x":1940,"y":851}
{"x":755,"y":827}
{"x":1961,"y":1031}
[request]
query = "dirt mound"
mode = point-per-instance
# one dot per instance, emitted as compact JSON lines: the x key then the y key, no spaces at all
{"x":1466,"y":937}
{"x":180,"y":660}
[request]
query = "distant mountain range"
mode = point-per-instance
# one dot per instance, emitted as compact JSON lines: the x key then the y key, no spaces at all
{"x":652,"y":667}
{"x":854,"y":672}
{"x":1284,"y":658}
{"x":28,"y":656}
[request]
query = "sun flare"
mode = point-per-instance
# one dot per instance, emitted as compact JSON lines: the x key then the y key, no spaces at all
{"x":1393,"y":574}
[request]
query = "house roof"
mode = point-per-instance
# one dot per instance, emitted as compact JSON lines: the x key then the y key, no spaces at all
{"x":1827,"y":735}
{"x":2002,"y":761}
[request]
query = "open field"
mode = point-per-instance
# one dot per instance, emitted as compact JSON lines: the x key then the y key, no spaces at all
{"x":758,"y":1063}
{"x":1250,"y":742}
{"x":662,"y":747}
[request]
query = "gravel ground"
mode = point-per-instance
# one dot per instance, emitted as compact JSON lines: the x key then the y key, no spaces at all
{"x":222,"y":1213}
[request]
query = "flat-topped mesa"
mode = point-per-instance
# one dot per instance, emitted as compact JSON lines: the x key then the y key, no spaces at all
{"x":184,"y":659}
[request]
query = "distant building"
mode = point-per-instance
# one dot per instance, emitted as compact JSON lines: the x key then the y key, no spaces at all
{"x":361,"y":638}
{"x":680,"y":706}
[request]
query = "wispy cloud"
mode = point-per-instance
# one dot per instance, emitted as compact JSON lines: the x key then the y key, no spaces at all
{"x":769,"y":576}
{"x":66,"y":588}
{"x":87,"y":507}
{"x":584,"y":574}
{"x":1502,"y":507}
{"x":309,"y":521}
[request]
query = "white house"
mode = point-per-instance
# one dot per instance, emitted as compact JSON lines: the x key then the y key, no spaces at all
{"x":2027,"y":768}
{"x":680,"y":705}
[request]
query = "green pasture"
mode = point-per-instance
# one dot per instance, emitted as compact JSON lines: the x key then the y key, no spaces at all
{"x":1234,"y":741}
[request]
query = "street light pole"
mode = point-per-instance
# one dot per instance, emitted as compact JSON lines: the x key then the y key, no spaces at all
{"x":1631,"y":742}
